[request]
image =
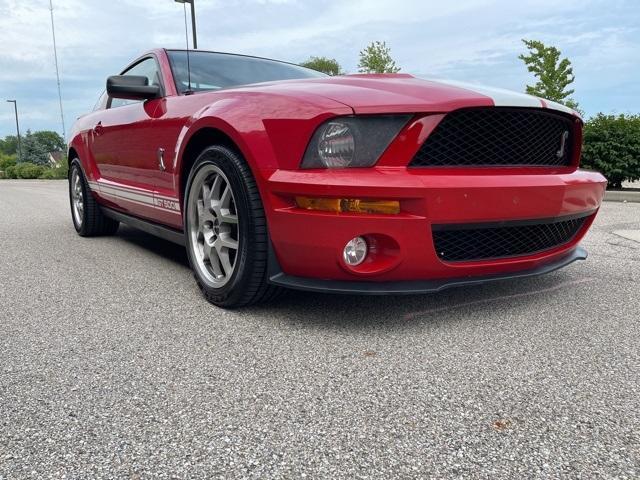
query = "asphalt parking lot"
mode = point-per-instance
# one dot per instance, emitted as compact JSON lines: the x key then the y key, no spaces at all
{"x":112,"y":365}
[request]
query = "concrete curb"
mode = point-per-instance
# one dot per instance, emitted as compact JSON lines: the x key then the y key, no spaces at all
{"x":622,"y":196}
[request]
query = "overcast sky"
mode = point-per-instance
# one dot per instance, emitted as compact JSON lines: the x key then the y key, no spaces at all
{"x":471,"y":40}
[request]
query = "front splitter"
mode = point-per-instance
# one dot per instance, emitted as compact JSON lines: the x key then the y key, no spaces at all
{"x":415,"y":286}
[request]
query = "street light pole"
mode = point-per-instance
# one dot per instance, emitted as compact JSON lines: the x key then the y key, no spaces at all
{"x":193,"y":20}
{"x":193,"y":23}
{"x":15,"y":109}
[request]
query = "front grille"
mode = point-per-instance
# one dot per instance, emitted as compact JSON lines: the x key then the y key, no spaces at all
{"x":498,"y":136}
{"x":464,"y":242}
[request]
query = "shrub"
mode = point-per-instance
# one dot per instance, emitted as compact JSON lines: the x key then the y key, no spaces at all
{"x":28,"y":170}
{"x":57,"y":173}
{"x":48,"y":174}
{"x":9,"y":169}
{"x":11,"y":172}
{"x":6,"y":161}
{"x":612,"y":146}
{"x":62,"y":170}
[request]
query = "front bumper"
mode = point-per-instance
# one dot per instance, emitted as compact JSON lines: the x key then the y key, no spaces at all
{"x":415,"y":286}
{"x":308,"y":244}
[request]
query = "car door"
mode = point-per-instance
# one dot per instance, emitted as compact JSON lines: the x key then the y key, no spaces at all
{"x":124,"y":146}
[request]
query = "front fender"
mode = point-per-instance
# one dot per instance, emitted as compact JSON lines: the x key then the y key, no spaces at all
{"x":270,"y":131}
{"x":79,"y":143}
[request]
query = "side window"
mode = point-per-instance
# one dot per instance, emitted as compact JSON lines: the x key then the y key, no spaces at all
{"x":146,"y":68}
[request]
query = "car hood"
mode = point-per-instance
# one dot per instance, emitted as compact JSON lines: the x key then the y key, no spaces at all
{"x":401,"y":93}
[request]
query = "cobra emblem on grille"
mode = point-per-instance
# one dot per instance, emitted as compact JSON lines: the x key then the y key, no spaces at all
{"x":563,"y":143}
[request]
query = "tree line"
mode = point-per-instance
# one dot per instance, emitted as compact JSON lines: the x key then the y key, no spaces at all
{"x":40,"y":155}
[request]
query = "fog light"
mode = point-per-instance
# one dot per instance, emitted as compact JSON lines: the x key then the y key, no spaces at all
{"x":355,"y":251}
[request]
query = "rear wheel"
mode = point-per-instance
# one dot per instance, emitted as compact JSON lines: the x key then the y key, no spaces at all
{"x":226,"y":231}
{"x":88,"y":219}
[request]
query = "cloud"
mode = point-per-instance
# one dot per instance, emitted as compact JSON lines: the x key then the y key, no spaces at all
{"x":473,"y":40}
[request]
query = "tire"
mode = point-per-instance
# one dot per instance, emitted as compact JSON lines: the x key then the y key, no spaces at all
{"x":88,"y":219}
{"x":226,"y":230}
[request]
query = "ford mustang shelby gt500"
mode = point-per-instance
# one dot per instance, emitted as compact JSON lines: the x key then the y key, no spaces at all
{"x":273,"y":175}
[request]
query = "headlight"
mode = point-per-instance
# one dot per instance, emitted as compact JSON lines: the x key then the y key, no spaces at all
{"x":352,"y":141}
{"x":336,"y":145}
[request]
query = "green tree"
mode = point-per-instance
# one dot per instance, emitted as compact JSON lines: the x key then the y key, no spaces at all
{"x":9,"y":146}
{"x":553,"y":73}
{"x":376,"y":58}
{"x":50,"y":140}
{"x":330,"y":66}
{"x":612,"y":146}
{"x":34,"y":150}
{"x":35,"y":145}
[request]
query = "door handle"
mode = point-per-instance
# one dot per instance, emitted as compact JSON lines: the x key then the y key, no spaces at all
{"x":98,"y":129}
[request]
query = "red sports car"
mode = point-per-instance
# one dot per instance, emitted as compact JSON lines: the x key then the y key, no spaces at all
{"x":273,"y":175}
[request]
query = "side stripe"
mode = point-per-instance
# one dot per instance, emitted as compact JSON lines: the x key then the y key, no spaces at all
{"x":137,"y":196}
{"x":116,"y":198}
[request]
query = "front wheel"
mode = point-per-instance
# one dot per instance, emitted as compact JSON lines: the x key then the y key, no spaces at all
{"x":226,"y":230}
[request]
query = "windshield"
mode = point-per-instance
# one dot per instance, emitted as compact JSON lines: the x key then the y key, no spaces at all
{"x":213,"y":71}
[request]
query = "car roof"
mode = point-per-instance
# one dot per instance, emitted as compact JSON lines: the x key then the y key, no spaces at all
{"x":158,"y":50}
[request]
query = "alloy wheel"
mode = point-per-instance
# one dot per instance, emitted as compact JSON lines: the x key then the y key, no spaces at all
{"x":213,"y":225}
{"x":77,"y":196}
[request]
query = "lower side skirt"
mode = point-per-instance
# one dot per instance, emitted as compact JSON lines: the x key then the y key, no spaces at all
{"x":417,"y":286}
{"x":161,"y":231}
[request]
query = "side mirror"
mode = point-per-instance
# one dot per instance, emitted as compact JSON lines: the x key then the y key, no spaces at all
{"x":131,"y":87}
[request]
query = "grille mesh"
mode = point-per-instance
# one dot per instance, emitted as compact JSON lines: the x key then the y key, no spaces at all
{"x":497,"y":137}
{"x":455,"y":243}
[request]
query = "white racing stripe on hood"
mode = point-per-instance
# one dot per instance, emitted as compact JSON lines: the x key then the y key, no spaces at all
{"x":500,"y":97}
{"x":507,"y":98}
{"x":560,"y":107}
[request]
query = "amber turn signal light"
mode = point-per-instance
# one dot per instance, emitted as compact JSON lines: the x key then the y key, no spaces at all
{"x":354,"y":205}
